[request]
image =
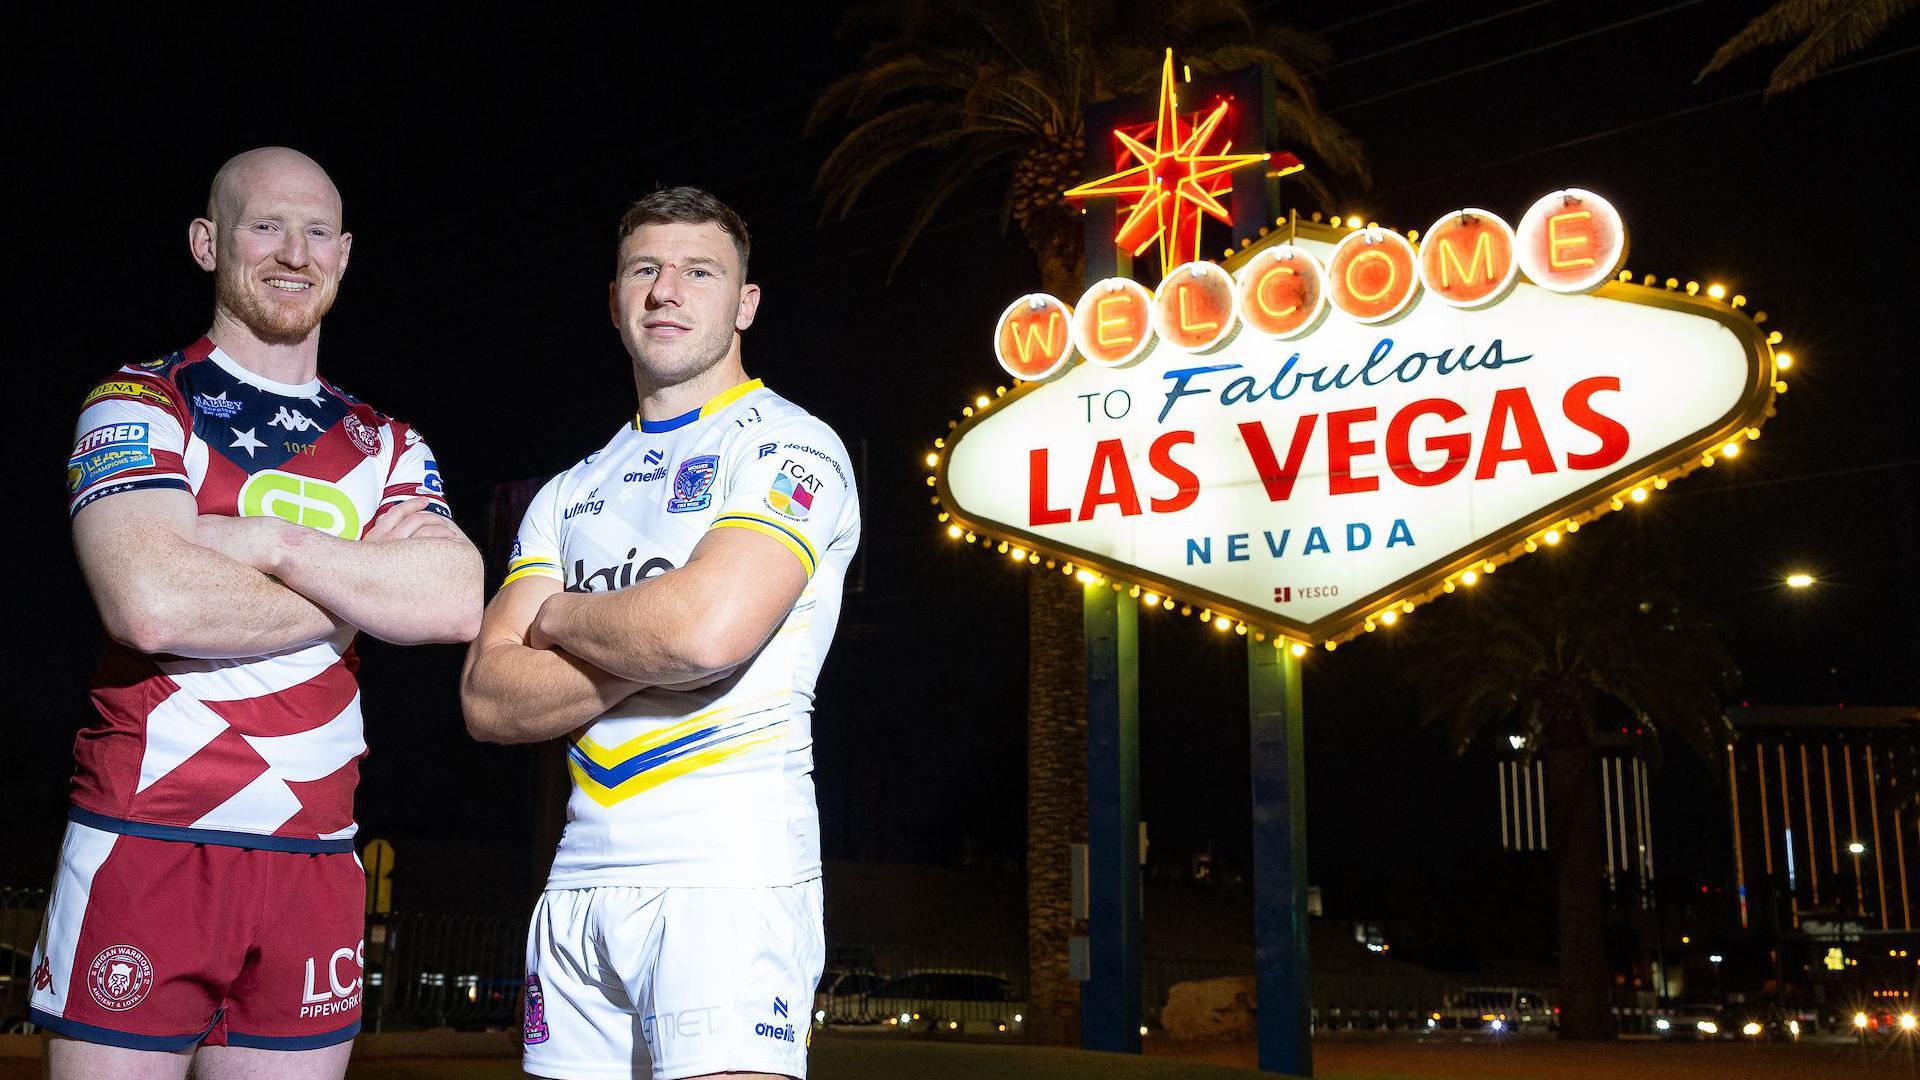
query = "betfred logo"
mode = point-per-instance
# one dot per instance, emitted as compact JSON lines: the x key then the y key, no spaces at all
{"x":333,"y":987}
{"x":119,"y":978}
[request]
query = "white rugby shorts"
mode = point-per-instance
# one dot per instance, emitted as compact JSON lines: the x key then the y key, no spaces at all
{"x":665,"y":983}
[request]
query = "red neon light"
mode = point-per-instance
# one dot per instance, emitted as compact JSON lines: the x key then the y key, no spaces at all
{"x":1175,"y":180}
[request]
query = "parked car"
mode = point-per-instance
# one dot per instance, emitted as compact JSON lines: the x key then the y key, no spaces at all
{"x":951,"y":1002}
{"x":845,"y":997}
{"x":1497,"y":1009}
{"x":1687,"y":1023}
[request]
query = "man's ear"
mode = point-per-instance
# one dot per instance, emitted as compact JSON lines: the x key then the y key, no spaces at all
{"x":346,"y":251}
{"x":613,"y":303}
{"x":201,"y":244}
{"x":749,"y":306}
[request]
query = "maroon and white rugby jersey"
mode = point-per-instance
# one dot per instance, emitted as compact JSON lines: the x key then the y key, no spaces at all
{"x":261,"y":752}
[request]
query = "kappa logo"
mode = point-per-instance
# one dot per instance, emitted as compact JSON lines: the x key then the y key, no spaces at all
{"x":218,"y":405}
{"x":533,"y":1027}
{"x":43,"y":975}
{"x":293,"y":420}
{"x":119,"y":978}
{"x":693,"y":484}
{"x":301,"y":500}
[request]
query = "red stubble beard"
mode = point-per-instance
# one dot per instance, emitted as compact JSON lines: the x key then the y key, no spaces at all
{"x":273,"y":320}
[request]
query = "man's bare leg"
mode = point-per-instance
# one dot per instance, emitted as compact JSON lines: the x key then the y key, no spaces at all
{"x":248,"y":1063}
{"x":71,"y":1059}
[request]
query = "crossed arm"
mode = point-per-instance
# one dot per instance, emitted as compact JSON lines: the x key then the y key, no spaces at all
{"x":168,"y":580}
{"x":546,"y":662}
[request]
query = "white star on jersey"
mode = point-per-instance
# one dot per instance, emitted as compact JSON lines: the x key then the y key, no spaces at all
{"x":244,"y":440}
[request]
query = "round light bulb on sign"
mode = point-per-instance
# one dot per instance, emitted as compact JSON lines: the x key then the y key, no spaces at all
{"x":1193,"y":309}
{"x":1282,"y":292}
{"x":1467,"y":258}
{"x":1112,"y":327}
{"x":1571,"y":241}
{"x":1372,"y":275}
{"x":1033,"y":339}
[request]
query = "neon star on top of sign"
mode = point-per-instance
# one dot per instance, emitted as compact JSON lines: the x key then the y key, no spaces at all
{"x":1175,"y":181}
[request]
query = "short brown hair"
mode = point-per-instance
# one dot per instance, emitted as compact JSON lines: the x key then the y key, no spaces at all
{"x":687,"y":206}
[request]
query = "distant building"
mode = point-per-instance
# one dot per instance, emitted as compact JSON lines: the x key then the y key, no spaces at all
{"x":1825,"y":804}
{"x":1626,"y":805}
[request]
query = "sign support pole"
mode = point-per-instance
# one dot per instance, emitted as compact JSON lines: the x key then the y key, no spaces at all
{"x":1110,"y":999}
{"x":1283,"y":989}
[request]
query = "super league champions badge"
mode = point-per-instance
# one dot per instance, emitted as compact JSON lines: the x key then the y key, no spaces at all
{"x":119,"y":978}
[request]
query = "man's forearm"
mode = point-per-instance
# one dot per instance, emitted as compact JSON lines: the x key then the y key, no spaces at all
{"x":649,"y":632}
{"x":184,"y":600}
{"x":409,"y":592}
{"x":511,"y":693}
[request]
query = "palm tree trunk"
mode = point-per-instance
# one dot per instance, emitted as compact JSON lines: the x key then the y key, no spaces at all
{"x":1576,"y":837}
{"x":1056,"y":797}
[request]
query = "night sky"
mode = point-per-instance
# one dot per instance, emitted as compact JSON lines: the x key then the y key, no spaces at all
{"x":485,"y":161}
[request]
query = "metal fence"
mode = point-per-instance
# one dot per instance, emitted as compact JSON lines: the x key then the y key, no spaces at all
{"x":427,"y":970}
{"x":461,"y":971}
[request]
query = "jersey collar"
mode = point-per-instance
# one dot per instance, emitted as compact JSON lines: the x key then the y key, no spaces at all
{"x":724,"y":399}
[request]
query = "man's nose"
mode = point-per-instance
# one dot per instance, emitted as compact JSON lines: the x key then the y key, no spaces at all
{"x":666,"y":287}
{"x":293,"y":251}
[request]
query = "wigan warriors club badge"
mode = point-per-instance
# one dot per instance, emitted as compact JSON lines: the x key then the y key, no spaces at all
{"x":364,"y":435}
{"x":119,"y":978}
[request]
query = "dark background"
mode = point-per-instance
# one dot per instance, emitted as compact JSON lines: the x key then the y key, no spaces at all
{"x":484,"y":162}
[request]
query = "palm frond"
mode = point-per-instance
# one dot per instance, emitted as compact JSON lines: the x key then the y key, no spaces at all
{"x":1824,"y":29}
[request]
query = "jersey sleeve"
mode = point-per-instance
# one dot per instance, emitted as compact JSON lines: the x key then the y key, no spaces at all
{"x":536,"y":550}
{"x":415,"y":474}
{"x":790,"y":482}
{"x":129,"y":437}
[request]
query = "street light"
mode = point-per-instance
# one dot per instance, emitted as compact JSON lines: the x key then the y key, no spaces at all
{"x":1715,"y":958}
{"x":1799,"y":580}
{"x":1856,"y":848}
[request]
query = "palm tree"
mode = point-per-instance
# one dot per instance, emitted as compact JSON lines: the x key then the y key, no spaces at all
{"x":1545,"y":652}
{"x":1825,"y":31}
{"x":996,"y":89}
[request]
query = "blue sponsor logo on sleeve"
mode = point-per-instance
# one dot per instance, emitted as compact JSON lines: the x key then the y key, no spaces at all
{"x":431,"y":484}
{"x":107,"y":451}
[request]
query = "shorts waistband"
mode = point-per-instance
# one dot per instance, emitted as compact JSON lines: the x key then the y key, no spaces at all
{"x":220,"y":837}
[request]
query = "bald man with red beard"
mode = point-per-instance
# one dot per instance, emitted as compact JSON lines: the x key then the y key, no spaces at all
{"x":239,"y":520}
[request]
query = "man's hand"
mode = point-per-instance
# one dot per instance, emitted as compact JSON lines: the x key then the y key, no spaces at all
{"x":250,"y":541}
{"x":410,"y":519}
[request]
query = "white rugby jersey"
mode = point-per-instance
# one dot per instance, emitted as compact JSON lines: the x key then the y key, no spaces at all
{"x":710,"y":787}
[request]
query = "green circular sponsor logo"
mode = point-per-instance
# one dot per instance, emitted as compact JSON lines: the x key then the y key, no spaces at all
{"x":301,"y":500}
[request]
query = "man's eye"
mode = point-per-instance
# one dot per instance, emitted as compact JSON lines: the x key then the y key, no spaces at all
{"x":319,"y":234}
{"x":697,"y":272}
{"x":263,"y":227}
{"x":643,"y":271}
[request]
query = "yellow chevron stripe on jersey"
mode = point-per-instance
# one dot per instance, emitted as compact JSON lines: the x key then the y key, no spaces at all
{"x":612,"y":757}
{"x":530,"y":566}
{"x":669,"y":770}
{"x":789,"y":538}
